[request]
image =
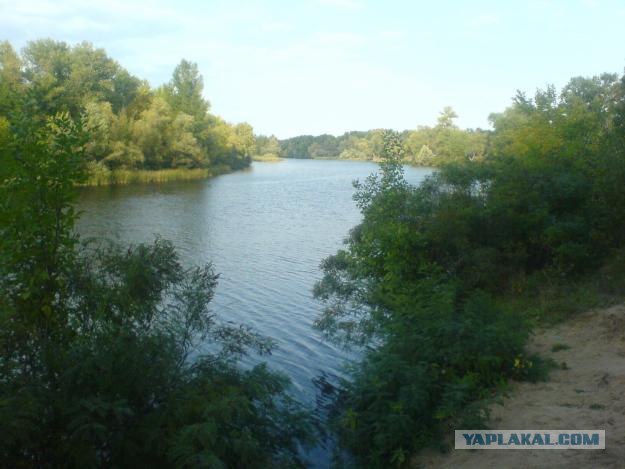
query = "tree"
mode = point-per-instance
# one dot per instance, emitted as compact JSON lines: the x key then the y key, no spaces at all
{"x":98,"y":119}
{"x":184,"y":91}
{"x":132,"y":126}
{"x":11,"y":85}
{"x":244,"y":139}
{"x":92,"y":76}
{"x":125,"y":90}
{"x":446,"y":118}
{"x":386,"y":293}
{"x":46,"y":70}
{"x":267,"y":148}
{"x":428,"y":284}
{"x":183,"y":147}
{"x":151,"y":132}
{"x":110,"y":356}
{"x":425,"y":156}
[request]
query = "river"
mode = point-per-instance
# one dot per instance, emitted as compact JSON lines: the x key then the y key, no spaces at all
{"x":265,"y":229}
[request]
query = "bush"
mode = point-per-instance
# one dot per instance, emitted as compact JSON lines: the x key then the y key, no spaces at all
{"x":436,"y":360}
{"x":438,"y":283}
{"x":110,"y":356}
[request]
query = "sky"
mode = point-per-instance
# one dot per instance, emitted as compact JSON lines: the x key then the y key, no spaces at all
{"x":329,"y":66}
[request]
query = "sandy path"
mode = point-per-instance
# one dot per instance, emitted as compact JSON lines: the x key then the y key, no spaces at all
{"x":590,"y":394}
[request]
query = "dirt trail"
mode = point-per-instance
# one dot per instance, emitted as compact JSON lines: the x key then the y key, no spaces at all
{"x":590,"y":394}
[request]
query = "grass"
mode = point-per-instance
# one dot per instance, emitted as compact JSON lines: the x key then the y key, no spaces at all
{"x":267,"y":158}
{"x":546,"y":298}
{"x":142,"y":176}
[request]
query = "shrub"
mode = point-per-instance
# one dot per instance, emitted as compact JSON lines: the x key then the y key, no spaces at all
{"x":110,"y":356}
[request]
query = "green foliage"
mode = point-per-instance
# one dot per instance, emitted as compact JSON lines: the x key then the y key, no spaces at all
{"x":184,"y":91}
{"x":435,"y":359}
{"x":38,"y":168}
{"x":432,"y":347}
{"x":445,"y":143}
{"x":132,"y":127}
{"x":441,"y":283}
{"x":110,"y":356}
{"x":533,"y":368}
{"x":11,"y":80}
{"x":101,"y":176}
{"x":266,"y":148}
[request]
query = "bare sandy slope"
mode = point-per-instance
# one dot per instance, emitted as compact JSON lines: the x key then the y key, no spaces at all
{"x":588,"y":395}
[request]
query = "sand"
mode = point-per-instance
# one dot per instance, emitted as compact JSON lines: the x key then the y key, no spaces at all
{"x":589,"y":394}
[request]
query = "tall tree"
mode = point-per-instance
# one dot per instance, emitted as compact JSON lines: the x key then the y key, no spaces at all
{"x":446,"y":118}
{"x":11,"y":83}
{"x":185,"y":90}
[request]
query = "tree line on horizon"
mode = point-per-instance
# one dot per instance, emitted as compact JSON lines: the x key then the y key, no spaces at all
{"x":136,"y":127}
{"x":425,"y":146}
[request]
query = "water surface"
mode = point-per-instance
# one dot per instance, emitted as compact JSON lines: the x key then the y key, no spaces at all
{"x":265,"y":230}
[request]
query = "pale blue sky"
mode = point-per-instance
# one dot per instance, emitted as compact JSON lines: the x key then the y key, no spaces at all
{"x":317,"y":66}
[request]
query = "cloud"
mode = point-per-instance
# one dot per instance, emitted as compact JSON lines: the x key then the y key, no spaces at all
{"x":74,"y":21}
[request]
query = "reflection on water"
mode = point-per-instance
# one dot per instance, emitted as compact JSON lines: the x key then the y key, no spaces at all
{"x":265,"y":230}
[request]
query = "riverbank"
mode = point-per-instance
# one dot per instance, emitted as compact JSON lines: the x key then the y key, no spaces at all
{"x":584,"y":392}
{"x":267,"y":158}
{"x":142,"y":176}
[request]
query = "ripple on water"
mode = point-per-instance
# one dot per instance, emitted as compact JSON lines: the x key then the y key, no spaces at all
{"x":265,"y":231}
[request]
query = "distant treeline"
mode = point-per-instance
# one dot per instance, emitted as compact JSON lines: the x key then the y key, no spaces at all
{"x":131,"y":125}
{"x":425,"y":146}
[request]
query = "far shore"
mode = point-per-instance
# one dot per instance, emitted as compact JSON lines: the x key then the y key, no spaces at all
{"x":267,"y":158}
{"x":145,"y":176}
{"x":158,"y":176}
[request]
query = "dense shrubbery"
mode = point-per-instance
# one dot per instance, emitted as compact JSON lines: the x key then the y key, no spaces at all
{"x":111,"y":356}
{"x":428,"y":280}
{"x":433,"y":345}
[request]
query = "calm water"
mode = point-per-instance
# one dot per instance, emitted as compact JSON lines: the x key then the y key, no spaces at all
{"x":265,"y":230}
